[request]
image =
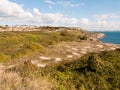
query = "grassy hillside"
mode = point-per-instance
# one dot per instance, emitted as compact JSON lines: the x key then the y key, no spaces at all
{"x":93,"y":71}
{"x":16,"y":44}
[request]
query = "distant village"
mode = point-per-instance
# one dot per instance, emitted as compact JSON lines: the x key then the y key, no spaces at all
{"x":19,"y":28}
{"x":33,"y":28}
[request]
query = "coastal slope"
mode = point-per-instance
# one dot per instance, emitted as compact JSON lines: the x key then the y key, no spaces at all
{"x":42,"y":53}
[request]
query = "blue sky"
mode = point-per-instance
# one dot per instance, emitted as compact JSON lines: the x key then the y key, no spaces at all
{"x":88,"y":14}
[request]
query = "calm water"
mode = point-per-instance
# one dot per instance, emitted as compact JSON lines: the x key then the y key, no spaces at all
{"x":111,"y":37}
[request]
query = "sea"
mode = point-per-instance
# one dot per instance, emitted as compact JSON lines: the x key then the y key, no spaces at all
{"x":111,"y":37}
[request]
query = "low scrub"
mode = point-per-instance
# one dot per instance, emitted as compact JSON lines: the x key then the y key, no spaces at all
{"x":92,"y":72}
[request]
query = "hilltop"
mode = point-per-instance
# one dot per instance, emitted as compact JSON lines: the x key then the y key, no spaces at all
{"x":35,"y":52}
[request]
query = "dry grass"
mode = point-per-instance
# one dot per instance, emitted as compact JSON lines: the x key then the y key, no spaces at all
{"x":13,"y":81}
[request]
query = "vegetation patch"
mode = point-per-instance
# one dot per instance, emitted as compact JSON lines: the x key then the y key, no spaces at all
{"x":16,"y":44}
{"x":94,"y":71}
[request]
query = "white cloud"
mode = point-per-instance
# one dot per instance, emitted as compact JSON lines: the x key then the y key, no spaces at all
{"x":105,"y":26}
{"x":70,"y":4}
{"x":64,"y":3}
{"x":57,"y":19}
{"x":105,"y":22}
{"x":45,"y":17}
{"x":84,"y":21}
{"x":16,"y":14}
{"x":36,"y":12}
{"x":107,"y":16}
{"x":50,"y":2}
{"x":11,"y":9}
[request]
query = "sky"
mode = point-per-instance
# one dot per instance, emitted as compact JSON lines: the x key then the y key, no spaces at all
{"x":87,"y":14}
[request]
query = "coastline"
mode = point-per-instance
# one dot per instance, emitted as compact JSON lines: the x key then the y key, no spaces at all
{"x":111,"y":37}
